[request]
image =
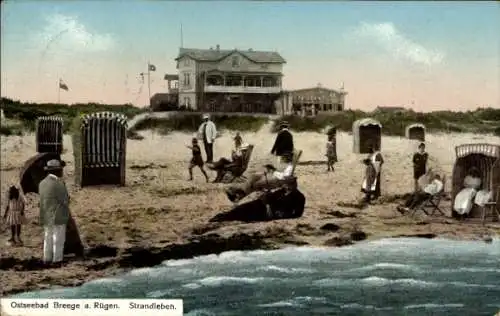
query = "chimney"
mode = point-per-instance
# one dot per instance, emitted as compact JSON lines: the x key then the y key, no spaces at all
{"x":217,"y":47}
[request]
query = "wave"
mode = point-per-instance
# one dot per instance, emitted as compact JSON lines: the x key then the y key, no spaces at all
{"x":285,"y":269}
{"x":298,"y":301}
{"x":433,"y":306}
{"x":386,"y":265}
{"x":360,"y":306}
{"x":224,"y":280}
{"x":378,"y":281}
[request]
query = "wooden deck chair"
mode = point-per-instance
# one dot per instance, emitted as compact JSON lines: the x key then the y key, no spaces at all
{"x":291,"y":180}
{"x":432,"y":204}
{"x":236,"y":173}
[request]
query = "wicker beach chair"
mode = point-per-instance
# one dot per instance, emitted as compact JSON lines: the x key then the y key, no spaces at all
{"x":486,"y":158}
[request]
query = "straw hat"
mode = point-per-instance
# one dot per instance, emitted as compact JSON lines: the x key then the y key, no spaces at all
{"x":53,"y":164}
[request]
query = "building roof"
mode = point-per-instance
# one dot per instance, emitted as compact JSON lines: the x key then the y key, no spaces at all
{"x":219,"y":54}
{"x":318,"y":89}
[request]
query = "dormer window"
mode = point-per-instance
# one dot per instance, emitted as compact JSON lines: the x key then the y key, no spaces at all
{"x":187,"y":61}
{"x":235,"y":61}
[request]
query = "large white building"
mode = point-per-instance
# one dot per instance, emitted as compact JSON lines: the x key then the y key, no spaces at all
{"x":217,"y":80}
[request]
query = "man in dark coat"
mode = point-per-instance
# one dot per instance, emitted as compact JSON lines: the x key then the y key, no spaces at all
{"x":283,"y":145}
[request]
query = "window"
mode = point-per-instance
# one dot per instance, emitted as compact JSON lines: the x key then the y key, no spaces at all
{"x":186,"y":82}
{"x":187,"y":102}
{"x":187,"y":61}
{"x":236,"y":61}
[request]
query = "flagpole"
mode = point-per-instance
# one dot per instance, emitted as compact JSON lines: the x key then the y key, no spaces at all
{"x":182,"y":38}
{"x":149,"y":85}
{"x":59,"y":91}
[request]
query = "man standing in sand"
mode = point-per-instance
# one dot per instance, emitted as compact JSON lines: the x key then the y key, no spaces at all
{"x":283,"y":145}
{"x":54,"y":212}
{"x":208,"y":132}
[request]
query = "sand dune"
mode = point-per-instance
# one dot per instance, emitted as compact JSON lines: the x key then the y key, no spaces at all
{"x":158,"y":206}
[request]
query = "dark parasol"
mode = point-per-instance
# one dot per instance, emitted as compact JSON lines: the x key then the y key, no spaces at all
{"x":33,"y":171}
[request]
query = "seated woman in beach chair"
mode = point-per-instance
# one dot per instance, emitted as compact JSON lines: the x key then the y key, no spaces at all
{"x":267,"y":180}
{"x":223,"y":164}
{"x":465,"y":198}
{"x":421,"y":196}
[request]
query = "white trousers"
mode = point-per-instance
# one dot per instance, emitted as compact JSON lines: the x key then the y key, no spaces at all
{"x":53,"y":243}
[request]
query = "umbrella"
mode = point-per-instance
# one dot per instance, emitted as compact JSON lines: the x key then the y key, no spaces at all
{"x":33,"y":171}
{"x":30,"y":177}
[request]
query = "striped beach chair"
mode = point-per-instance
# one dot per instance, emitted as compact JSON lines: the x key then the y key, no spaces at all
{"x":99,"y":146}
{"x":49,"y":134}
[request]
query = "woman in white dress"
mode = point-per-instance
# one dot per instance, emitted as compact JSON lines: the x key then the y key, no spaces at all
{"x":465,"y":198}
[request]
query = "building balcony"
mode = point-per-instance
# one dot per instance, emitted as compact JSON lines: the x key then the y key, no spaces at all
{"x":241,"y":89}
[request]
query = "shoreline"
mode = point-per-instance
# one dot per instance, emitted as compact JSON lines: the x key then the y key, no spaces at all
{"x":105,"y":261}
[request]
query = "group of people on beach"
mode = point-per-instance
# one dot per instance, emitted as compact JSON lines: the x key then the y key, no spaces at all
{"x":53,"y":217}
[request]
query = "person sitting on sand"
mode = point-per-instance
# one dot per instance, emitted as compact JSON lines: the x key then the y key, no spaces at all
{"x":236,"y":159}
{"x":464,"y":199}
{"x":14,"y":216}
{"x":417,"y":198}
{"x":196,"y":160}
{"x":270,"y":178}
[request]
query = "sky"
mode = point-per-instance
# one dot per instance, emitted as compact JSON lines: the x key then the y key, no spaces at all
{"x":423,"y":55}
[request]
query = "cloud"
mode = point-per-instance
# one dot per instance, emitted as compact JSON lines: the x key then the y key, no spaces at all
{"x":394,"y":42}
{"x":67,"y":32}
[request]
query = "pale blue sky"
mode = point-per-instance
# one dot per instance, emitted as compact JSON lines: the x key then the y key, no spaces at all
{"x":390,"y":51}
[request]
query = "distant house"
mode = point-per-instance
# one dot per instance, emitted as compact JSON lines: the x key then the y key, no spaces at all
{"x":311,"y":101}
{"x":393,"y":109}
{"x":218,"y":80}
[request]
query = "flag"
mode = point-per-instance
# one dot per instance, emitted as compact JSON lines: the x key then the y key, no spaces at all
{"x":151,"y":67}
{"x":63,"y":86}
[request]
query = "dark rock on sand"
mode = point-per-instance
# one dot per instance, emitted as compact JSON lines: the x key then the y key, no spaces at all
{"x":358,"y":235}
{"x":330,"y":227}
{"x":338,"y":241}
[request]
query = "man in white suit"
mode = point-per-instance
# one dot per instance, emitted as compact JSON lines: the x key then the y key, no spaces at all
{"x":208,"y":132}
{"x":54,"y":212}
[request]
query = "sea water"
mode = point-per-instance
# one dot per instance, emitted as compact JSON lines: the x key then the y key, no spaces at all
{"x":383,"y":277}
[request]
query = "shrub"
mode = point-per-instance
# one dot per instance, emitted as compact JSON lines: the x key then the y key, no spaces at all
{"x":189,"y":122}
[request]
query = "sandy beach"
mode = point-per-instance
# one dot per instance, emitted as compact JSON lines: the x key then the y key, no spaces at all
{"x":159,"y":211}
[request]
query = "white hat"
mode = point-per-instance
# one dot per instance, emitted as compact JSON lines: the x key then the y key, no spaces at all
{"x":206,"y":116}
{"x":244,"y":146}
{"x":53,"y":164}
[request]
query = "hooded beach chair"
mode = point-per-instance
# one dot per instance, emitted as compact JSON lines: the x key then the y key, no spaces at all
{"x":485,"y":158}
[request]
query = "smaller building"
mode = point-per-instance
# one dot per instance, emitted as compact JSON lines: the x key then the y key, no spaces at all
{"x":311,"y":101}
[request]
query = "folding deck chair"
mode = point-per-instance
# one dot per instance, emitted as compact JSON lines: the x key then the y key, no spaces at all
{"x":236,"y":173}
{"x":292,"y":179}
{"x":432,"y":204}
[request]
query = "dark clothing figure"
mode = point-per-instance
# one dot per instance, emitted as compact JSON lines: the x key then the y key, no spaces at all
{"x":196,"y":160}
{"x":280,"y":204}
{"x":419,"y":166}
{"x":283,"y":144}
